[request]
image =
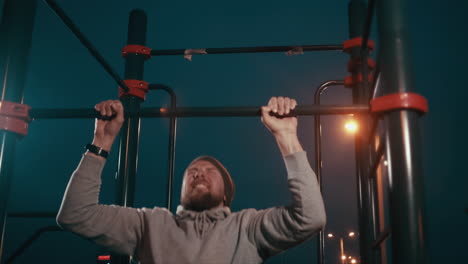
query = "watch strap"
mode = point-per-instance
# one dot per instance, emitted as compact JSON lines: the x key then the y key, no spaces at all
{"x":97,"y":150}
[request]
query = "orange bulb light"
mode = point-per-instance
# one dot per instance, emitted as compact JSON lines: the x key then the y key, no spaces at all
{"x":351,"y":126}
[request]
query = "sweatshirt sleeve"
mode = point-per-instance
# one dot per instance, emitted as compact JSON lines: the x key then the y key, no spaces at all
{"x":118,"y":228}
{"x":276,"y":229}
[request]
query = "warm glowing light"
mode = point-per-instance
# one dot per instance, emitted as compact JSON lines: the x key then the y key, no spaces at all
{"x":343,"y":257}
{"x":351,"y":126}
{"x":351,"y":234}
{"x":350,"y":257}
{"x":353,"y":261}
{"x":163,"y":110}
{"x":330,"y":235}
{"x":385,"y":163}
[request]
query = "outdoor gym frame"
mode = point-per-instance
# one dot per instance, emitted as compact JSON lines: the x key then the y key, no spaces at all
{"x":399,"y":110}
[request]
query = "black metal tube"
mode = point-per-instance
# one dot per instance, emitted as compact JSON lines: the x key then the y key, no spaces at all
{"x":172,"y":144}
{"x":206,"y":51}
{"x":366,"y":30}
{"x":82,"y":38}
{"x":16,"y":35}
{"x":235,"y":111}
{"x":404,"y":155}
{"x":376,"y":158}
{"x":358,"y":12}
{"x":318,"y":157}
{"x":26,"y":244}
{"x":130,"y":132}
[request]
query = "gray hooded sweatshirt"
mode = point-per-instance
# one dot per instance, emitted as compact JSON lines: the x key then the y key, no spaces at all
{"x":216,"y":236}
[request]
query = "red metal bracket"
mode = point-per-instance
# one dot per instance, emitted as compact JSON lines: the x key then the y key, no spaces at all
{"x":355,"y":63}
{"x":138,"y":49}
{"x":357,"y":42}
{"x":14,"y":117}
{"x":137,"y":88}
{"x":399,"y":101}
{"x":354,"y":79}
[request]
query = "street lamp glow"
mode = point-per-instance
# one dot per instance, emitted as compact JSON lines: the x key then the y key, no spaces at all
{"x":343,"y":257}
{"x":353,"y":261}
{"x":351,"y":234}
{"x":351,"y":126}
{"x":330,"y":235}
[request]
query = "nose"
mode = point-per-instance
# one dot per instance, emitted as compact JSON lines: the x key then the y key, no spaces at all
{"x":197,"y":174}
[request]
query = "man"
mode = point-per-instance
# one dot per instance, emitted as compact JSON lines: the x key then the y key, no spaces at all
{"x":204,"y":230}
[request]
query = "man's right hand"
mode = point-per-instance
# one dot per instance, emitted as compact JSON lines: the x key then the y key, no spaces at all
{"x":106,"y":131}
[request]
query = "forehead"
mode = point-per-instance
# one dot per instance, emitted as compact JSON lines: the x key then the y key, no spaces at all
{"x":201,"y":164}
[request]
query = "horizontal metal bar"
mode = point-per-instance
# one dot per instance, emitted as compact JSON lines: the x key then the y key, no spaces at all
{"x":381,"y":238}
{"x":377,"y":159}
{"x":304,"y":48}
{"x":28,"y":242}
{"x":201,"y":111}
{"x":33,"y":214}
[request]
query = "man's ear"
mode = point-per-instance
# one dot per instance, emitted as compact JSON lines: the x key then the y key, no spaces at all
{"x":224,"y":200}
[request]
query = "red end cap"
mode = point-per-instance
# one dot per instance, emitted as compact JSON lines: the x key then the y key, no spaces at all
{"x":357,"y":42}
{"x":105,"y":257}
{"x":398,"y":101}
{"x":136,"y":49}
{"x":14,"y":117}
{"x":137,"y":88}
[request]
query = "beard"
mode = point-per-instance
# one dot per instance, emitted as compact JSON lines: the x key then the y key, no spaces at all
{"x":200,"y":200}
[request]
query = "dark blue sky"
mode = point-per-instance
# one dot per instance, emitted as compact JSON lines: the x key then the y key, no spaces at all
{"x":63,"y":74}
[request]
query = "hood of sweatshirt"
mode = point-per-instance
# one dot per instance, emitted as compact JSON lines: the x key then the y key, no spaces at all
{"x":203,"y":221}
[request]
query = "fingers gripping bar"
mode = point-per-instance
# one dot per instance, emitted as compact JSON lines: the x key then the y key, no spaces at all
{"x":98,"y":115}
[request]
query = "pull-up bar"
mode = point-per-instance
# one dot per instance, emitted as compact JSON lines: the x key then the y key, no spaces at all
{"x":200,"y":112}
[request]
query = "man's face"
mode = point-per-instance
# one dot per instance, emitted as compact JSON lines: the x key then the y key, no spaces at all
{"x":203,"y":186}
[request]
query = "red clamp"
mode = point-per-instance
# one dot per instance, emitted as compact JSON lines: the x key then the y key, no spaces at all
{"x":136,"y":49}
{"x":137,"y":88}
{"x":14,"y":117}
{"x":355,"y":63}
{"x":399,"y":101}
{"x":357,"y":42}
{"x":354,"y":79}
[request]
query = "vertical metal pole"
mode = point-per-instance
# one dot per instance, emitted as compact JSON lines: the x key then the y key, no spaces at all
{"x":130,"y":134}
{"x":172,"y":145}
{"x":403,"y":140}
{"x":361,"y":92}
{"x":16,"y":35}
{"x":318,"y":157}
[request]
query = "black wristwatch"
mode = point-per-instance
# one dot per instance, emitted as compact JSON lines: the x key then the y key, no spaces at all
{"x":97,"y":150}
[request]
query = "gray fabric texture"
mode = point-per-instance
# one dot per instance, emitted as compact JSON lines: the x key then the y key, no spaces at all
{"x":156,"y":236}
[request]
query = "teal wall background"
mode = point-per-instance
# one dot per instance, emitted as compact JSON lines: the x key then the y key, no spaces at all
{"x":62,"y":74}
